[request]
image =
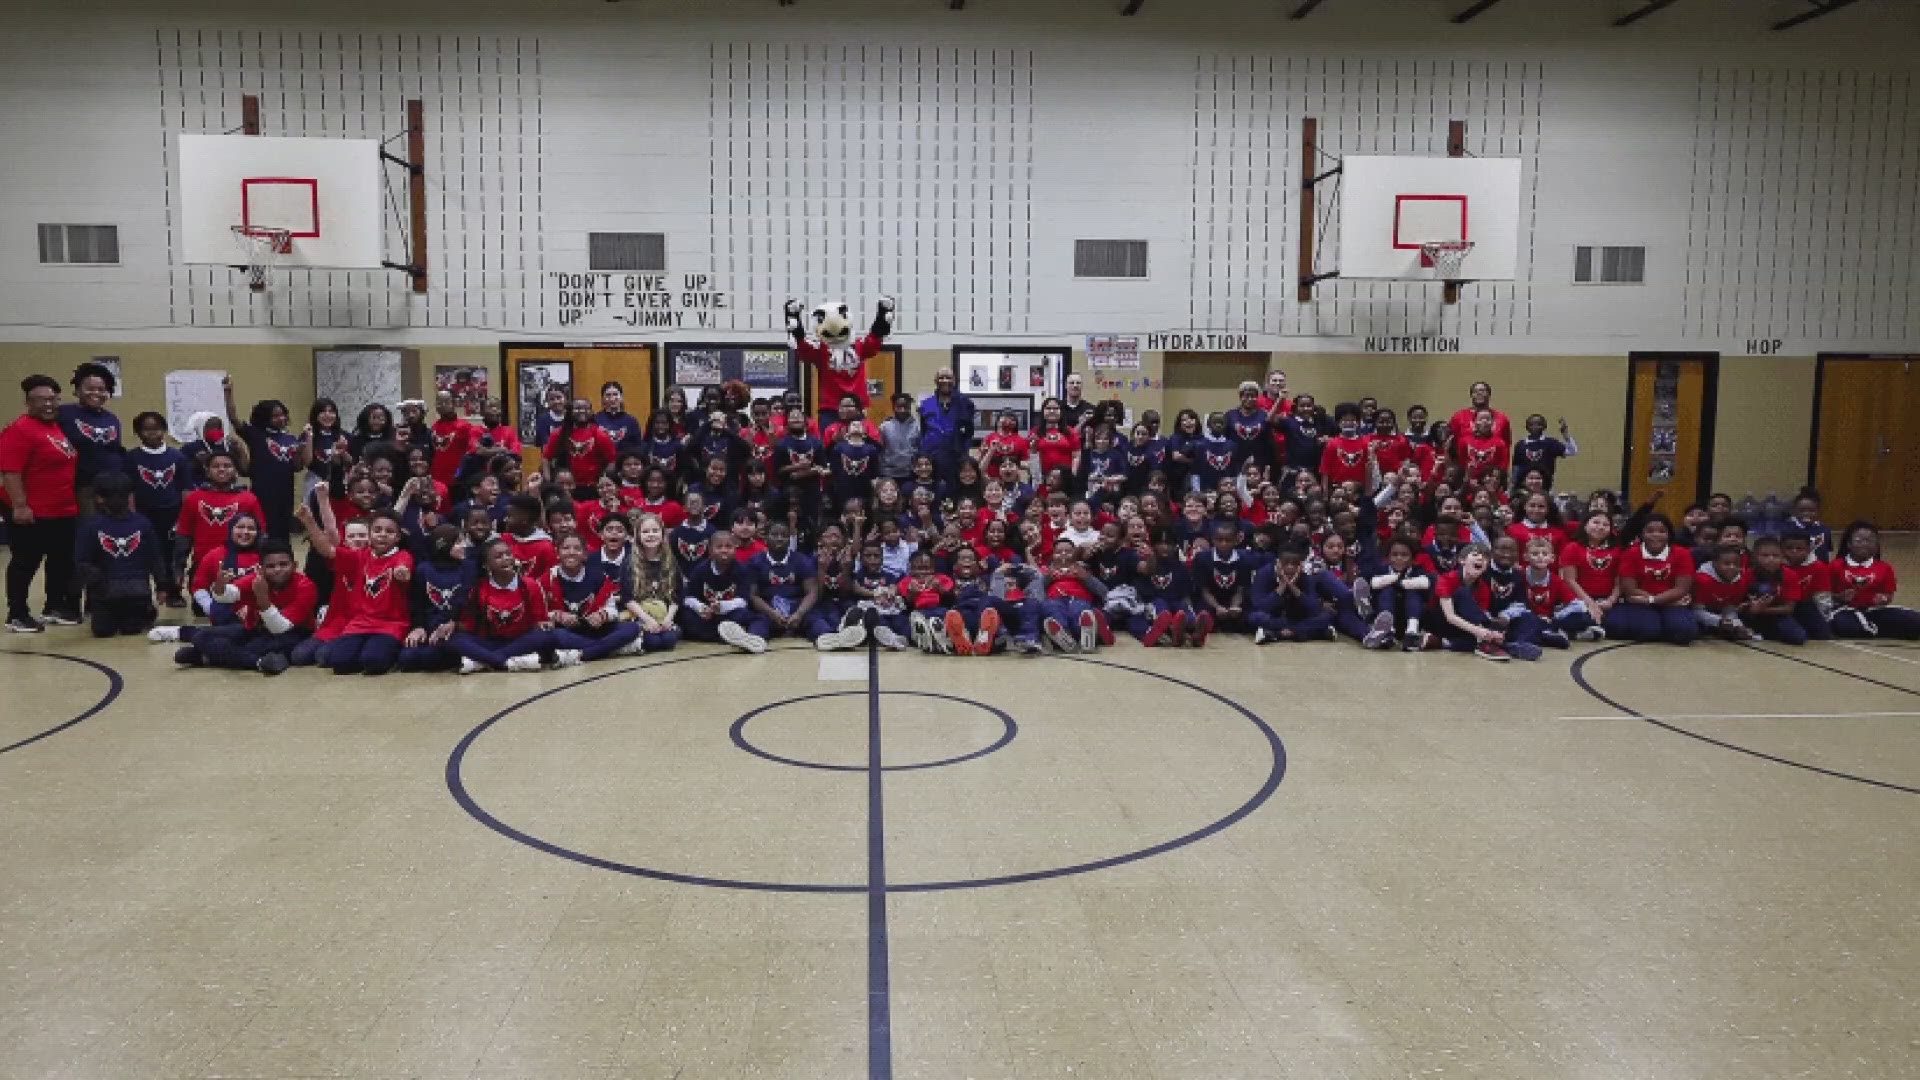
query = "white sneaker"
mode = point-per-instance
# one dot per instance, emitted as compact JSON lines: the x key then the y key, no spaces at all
{"x":529,"y":662}
{"x":1591,"y":633}
{"x":921,"y":631}
{"x":848,"y":637}
{"x":566,"y":658}
{"x":1260,"y":637}
{"x":888,"y":639}
{"x":736,"y":635}
{"x":470,"y":666}
{"x":631,"y":648}
{"x":160,"y":635}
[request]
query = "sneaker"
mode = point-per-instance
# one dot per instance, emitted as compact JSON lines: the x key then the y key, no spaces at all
{"x":1554,"y":639}
{"x":920,"y":631}
{"x":1591,"y":633}
{"x":1180,"y":629}
{"x":888,"y":639}
{"x":1202,"y":626}
{"x":1382,"y":633}
{"x":937,"y":643}
{"x":60,"y":618}
{"x":632,"y":648}
{"x":273,"y":663}
{"x":989,"y":629}
{"x":1105,"y":627}
{"x":1089,"y":631}
{"x":1260,"y":637}
{"x":1058,"y":636}
{"x":1026,"y":646}
{"x":1363,"y":597}
{"x":159,"y":635}
{"x":1162,"y":623}
{"x":470,"y":666}
{"x":1490,"y":650}
{"x":1416,"y":641}
{"x":957,"y":637}
{"x":175,"y":600}
{"x":188,"y":656}
{"x":26,"y":624}
{"x":1524,"y":650}
{"x":736,"y":635}
{"x":529,"y":662}
{"x":847,"y":637}
{"x":566,"y":658}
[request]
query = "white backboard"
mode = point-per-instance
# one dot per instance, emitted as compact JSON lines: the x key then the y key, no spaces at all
{"x":1389,"y":205}
{"x":324,"y":191}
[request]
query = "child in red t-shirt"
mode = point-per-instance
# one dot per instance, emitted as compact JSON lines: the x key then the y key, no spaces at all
{"x":376,"y":579}
{"x":1812,"y":578}
{"x":1656,"y":588}
{"x":1864,"y":583}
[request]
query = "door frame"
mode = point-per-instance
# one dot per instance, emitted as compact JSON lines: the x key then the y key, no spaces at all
{"x":1709,"y":417}
{"x":511,"y":390}
{"x":1820,"y":361}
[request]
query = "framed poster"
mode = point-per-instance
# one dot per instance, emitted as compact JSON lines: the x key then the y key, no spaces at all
{"x":533,"y":379}
{"x":1036,"y":372}
{"x":769,"y":370}
{"x":468,"y":385}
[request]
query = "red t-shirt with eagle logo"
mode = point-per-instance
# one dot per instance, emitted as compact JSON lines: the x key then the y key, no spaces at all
{"x":41,"y":453}
{"x":1345,"y":460}
{"x":1594,"y":569}
{"x":382,"y":603}
{"x":505,"y":611}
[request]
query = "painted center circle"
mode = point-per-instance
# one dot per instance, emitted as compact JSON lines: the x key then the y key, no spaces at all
{"x":840,"y":717}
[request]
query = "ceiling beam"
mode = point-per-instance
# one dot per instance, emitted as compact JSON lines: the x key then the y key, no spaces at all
{"x":1133,"y":7}
{"x":956,"y":5}
{"x":1819,"y":9}
{"x":1643,"y":11}
{"x":1473,"y":12}
{"x":1305,"y":9}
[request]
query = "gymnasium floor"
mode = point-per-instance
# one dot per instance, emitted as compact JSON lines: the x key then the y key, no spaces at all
{"x":1452,"y":869}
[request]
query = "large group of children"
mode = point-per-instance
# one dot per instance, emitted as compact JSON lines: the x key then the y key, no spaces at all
{"x":429,"y":547}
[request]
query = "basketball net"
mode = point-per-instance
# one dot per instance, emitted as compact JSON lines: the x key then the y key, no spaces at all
{"x":1446,"y":256}
{"x":262,"y":249}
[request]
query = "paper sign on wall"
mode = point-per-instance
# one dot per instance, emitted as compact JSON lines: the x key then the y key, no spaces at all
{"x":192,"y":391}
{"x":1113,"y":351}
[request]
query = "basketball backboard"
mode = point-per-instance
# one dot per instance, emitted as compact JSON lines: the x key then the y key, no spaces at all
{"x":324,"y":192}
{"x":1389,"y":206}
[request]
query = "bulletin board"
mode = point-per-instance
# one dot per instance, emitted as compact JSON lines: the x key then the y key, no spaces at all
{"x":1035,"y":371}
{"x":768,"y":369}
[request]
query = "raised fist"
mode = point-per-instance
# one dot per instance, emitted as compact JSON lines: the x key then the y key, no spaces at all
{"x":793,"y":309}
{"x":887,"y":305}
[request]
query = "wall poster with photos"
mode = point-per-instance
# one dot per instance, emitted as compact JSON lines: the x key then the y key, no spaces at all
{"x":533,"y":379}
{"x":1036,"y":372}
{"x":988,"y":408}
{"x":1666,"y":436}
{"x":769,"y":370}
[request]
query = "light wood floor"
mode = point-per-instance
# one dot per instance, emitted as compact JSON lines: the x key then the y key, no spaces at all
{"x":1468,"y":869}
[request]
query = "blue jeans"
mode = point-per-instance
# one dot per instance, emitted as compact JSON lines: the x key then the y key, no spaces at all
{"x":371,"y":654}
{"x":495,"y":652}
{"x":596,"y":644}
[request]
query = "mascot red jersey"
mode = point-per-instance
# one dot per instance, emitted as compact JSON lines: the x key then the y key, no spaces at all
{"x":841,"y":361}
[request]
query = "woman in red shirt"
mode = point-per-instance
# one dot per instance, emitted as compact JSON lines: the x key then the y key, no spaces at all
{"x":1057,"y":444}
{"x":1656,"y":589}
{"x":582,"y":447}
{"x":1864,"y":583}
{"x":37,"y":466}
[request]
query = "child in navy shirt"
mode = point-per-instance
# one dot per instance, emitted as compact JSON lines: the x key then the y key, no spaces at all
{"x":117,"y":553}
{"x":159,"y":474}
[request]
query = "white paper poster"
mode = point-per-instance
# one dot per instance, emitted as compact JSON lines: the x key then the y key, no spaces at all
{"x":190,"y":391}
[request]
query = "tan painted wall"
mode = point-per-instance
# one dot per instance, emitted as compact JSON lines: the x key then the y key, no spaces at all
{"x":259,"y":371}
{"x":1765,"y":419}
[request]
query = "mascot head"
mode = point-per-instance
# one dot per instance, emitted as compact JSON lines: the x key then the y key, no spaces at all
{"x":831,"y":324}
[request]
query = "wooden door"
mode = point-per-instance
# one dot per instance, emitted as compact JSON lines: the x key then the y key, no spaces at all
{"x":884,"y":378}
{"x":590,"y":367}
{"x":1867,"y":439}
{"x":1208,"y":382}
{"x":1670,"y":429}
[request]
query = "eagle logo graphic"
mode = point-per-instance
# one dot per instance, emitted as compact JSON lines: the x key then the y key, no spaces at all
{"x":95,"y":433}
{"x":441,"y":442}
{"x":505,"y":616}
{"x":715,"y":596}
{"x":60,"y":443}
{"x":780,"y":576}
{"x":1346,"y":458}
{"x":1600,"y":562}
{"x":158,"y":478}
{"x":281,"y":451}
{"x":856,"y":466}
{"x":523,"y":566}
{"x":1162,"y":581}
{"x":376,"y":584}
{"x":218,"y":515}
{"x":120,"y":547}
{"x":691,"y":552}
{"x":441,"y":599}
{"x":1479,"y":456}
{"x":1224,"y":579}
{"x":1247,"y":429}
{"x":1219,"y":460}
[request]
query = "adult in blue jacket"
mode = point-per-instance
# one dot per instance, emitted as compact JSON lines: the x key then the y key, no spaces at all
{"x":946,"y":426}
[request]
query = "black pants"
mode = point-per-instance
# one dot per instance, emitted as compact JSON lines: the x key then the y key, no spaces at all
{"x":128,"y":615}
{"x":49,"y":540}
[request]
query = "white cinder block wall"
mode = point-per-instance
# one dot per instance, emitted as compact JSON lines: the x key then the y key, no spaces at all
{"x":845,"y":149}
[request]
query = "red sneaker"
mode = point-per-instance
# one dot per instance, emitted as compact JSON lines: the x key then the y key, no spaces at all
{"x":1202,"y":626}
{"x":957,"y":633}
{"x":1105,"y":629}
{"x":1180,"y":629}
{"x":989,"y":629}
{"x":1162,"y":623}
